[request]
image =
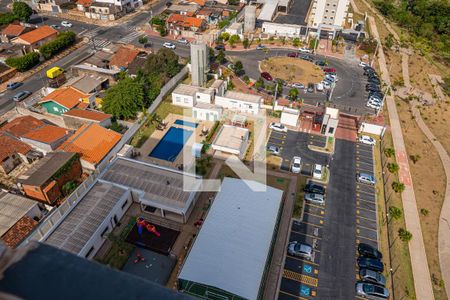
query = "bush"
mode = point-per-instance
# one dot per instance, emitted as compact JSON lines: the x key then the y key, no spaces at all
{"x":7,"y":18}
{"x":212,"y":132}
{"x":404,"y":235}
{"x":143,"y":40}
{"x":393,"y":167}
{"x":157,"y":21}
{"x":162,"y":31}
{"x":389,"y":152}
{"x":69,"y":187}
{"x":224,"y":36}
{"x":23,"y":63}
{"x":62,"y":41}
{"x":398,"y":187}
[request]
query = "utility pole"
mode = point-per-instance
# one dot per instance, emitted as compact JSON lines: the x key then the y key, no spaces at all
{"x":275,"y":97}
{"x":375,"y":53}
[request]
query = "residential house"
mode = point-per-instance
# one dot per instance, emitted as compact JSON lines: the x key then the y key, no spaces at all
{"x":6,"y":72}
{"x":104,"y":11}
{"x":12,"y":31}
{"x":123,"y":57}
{"x":13,"y":152}
{"x":235,"y":29}
{"x":22,"y":125}
{"x":189,"y":95}
{"x":91,"y":84}
{"x":240,"y":102}
{"x":83,"y":5}
{"x":9,"y":50}
{"x":100,"y":59}
{"x":34,"y":39}
{"x":184,"y":9}
{"x":210,"y":15}
{"x":46,"y":138}
{"x":125,"y":5}
{"x":199,"y":2}
{"x":93,"y":143}
{"x":76,"y":118}
{"x":18,"y":218}
{"x":136,"y":65}
{"x":45,"y":181}
{"x":63,"y":99}
{"x":177,"y":23}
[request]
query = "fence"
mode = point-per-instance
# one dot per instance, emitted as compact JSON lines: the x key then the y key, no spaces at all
{"x":58,"y":214}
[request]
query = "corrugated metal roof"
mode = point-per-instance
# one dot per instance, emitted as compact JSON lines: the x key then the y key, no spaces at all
{"x":268,"y":10}
{"x":12,"y":209}
{"x":232,"y":248}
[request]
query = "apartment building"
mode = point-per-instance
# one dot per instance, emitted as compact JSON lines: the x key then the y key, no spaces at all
{"x":328,"y":12}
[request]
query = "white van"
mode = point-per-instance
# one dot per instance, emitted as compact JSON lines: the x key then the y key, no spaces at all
{"x":318,"y":171}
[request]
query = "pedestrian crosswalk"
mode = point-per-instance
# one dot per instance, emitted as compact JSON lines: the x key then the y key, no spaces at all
{"x":99,"y":43}
{"x":92,"y":33}
{"x":129,"y":37}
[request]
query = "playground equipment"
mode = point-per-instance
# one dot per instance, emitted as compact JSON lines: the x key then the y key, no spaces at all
{"x":141,"y":224}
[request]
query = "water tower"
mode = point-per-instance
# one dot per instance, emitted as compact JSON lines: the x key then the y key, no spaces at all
{"x":249,"y":18}
{"x":199,"y":62}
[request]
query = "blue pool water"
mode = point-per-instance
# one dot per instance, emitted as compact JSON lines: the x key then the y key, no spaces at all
{"x":186,"y":123}
{"x":171,"y":144}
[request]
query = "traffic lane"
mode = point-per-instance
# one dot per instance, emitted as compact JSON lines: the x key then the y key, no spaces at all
{"x":77,"y":26}
{"x":157,"y":43}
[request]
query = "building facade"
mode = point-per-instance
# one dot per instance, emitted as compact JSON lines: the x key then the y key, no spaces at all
{"x":327,"y":12}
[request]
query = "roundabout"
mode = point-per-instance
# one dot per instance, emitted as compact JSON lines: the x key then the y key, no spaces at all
{"x":292,"y":70}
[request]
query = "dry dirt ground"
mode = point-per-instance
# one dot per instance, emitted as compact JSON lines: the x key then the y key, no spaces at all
{"x":429,"y":190}
{"x":292,"y":70}
{"x":437,"y":118}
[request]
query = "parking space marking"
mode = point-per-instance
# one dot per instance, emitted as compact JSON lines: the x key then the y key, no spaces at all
{"x":365,"y":238}
{"x":302,"y":260}
{"x":368,"y":219}
{"x":315,"y":205}
{"x":364,"y":192}
{"x":314,"y":215}
{"x":300,"y":278}
{"x":364,"y":227}
{"x":366,"y":201}
{"x":306,"y":234}
{"x":371,"y":210}
{"x":292,"y":295}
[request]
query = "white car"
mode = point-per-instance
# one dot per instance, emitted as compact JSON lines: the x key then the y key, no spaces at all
{"x":365,"y":139}
{"x":326,"y":84}
{"x":169,"y":45}
{"x":373,"y":105}
{"x":66,"y":24}
{"x":319,"y":87}
{"x":331,"y":78}
{"x":183,"y":41}
{"x":318,"y":171}
{"x":296,"y":164}
{"x":363,"y":64}
{"x":278,"y":127}
{"x":298,"y":85}
{"x":304,"y":50}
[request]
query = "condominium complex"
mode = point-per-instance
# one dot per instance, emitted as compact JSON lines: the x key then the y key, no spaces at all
{"x":328,"y":12}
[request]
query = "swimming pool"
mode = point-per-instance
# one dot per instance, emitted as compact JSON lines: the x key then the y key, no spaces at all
{"x":171,"y":144}
{"x":186,"y":123}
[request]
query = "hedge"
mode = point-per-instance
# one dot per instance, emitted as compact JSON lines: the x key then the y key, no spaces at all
{"x":62,"y":41}
{"x":23,"y":63}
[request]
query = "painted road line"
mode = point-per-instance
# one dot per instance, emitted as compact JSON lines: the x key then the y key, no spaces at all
{"x":371,"y":210}
{"x":315,"y":205}
{"x":314,"y":215}
{"x":292,"y":295}
{"x":311,"y":281}
{"x":368,"y":201}
{"x":364,"y":227}
{"x":315,"y":225}
{"x":366,"y":238}
{"x":306,"y":234}
{"x":368,"y":219}
{"x":302,"y":260}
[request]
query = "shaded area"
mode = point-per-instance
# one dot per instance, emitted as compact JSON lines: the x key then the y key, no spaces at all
{"x":296,"y":13}
{"x":162,"y":244}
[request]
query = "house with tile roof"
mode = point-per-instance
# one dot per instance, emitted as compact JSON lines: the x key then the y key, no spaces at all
{"x":176,"y":23}
{"x":18,"y":218}
{"x":46,"y":180}
{"x":93,"y":143}
{"x":12,"y":31}
{"x":22,"y":125}
{"x":83,"y":5}
{"x":123,"y":57}
{"x":63,"y":99}
{"x":36,"y":38}
{"x":76,"y":118}
{"x":13,"y":152}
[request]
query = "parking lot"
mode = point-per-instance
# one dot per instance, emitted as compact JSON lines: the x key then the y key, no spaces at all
{"x":295,"y":143}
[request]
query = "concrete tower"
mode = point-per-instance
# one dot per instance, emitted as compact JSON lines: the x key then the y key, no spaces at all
{"x":249,"y":18}
{"x":199,"y":62}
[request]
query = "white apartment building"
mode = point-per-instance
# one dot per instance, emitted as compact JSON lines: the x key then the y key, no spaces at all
{"x":189,"y":95}
{"x":126,"y":5}
{"x":240,"y":102}
{"x":327,"y":12}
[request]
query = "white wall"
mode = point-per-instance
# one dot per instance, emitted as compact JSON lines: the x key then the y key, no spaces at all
{"x":182,"y":100}
{"x":341,"y":10}
{"x":289,"y":118}
{"x":203,"y":97}
{"x":372,"y":129}
{"x":206,"y":114}
{"x":238,"y":105}
{"x":318,"y":13}
{"x":288,"y":30}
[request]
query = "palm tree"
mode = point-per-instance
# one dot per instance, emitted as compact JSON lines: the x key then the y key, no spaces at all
{"x":395,"y":212}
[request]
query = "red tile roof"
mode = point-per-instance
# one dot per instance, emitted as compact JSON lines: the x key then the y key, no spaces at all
{"x":10,"y":145}
{"x":88,"y":114}
{"x":22,"y":125}
{"x":19,"y":231}
{"x":185,"y":21}
{"x":47,"y":134}
{"x":124,"y":56}
{"x":68,"y":97}
{"x":92,"y":142}
{"x":38,"y":34}
{"x":13,"y":30}
{"x":85,"y":3}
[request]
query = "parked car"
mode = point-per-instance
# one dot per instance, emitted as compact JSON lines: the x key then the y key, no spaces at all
{"x":315,"y":198}
{"x":56,"y":27}
{"x":331,"y":78}
{"x":375,"y":80}
{"x":329,"y":70}
{"x":371,"y":291}
{"x":296,"y":164}
{"x":363,"y":64}
{"x":266,"y":76}
{"x":278,"y":127}
{"x":310,"y":88}
{"x":326,"y":84}
{"x":369,"y":85}
{"x":318,"y":171}
{"x":219,"y":47}
{"x":13,"y":85}
{"x":292,"y":54}
{"x":378,"y":94}
{"x":365,"y":139}
{"x":368,"y":68}
{"x":147,"y":45}
{"x":372,"y":276}
{"x":321,"y":63}
{"x":298,"y":85}
{"x":365,"y":178}
{"x":375,"y":99}
{"x":373,"y":105}
{"x":304,"y":50}
{"x":21,"y":95}
{"x":66,"y":24}
{"x":168,"y":4}
{"x":260,"y":47}
{"x":300,"y":249}
{"x":183,"y":41}
{"x":373,"y":89}
{"x":367,"y":250}
{"x":314,"y":188}
{"x":305,"y":57}
{"x":370,"y":263}
{"x":169,"y":45}
{"x":319,"y":87}
{"x":273,"y":149}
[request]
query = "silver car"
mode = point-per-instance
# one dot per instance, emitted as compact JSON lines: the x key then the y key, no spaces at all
{"x":21,"y":95}
{"x":365,"y":178}
{"x":372,"y":276}
{"x":371,"y":291}
{"x":300,"y":249}
{"x":273,"y":149}
{"x":315,"y":198}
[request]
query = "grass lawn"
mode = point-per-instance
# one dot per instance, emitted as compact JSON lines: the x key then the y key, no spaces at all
{"x":298,"y":205}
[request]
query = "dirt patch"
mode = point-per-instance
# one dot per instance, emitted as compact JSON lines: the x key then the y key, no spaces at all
{"x":437,"y":117}
{"x":293,"y":70}
{"x":429,"y":190}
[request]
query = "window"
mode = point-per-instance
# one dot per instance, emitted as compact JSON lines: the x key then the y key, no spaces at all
{"x":149,"y":208}
{"x":331,"y":18}
{"x":324,"y":17}
{"x":326,"y":10}
{"x":334,"y":5}
{"x":331,"y":130}
{"x":186,"y":100}
{"x":89,"y":252}
{"x":124,"y":204}
{"x":104,"y":232}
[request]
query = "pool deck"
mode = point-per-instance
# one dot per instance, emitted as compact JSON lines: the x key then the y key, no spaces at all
{"x":156,"y":137}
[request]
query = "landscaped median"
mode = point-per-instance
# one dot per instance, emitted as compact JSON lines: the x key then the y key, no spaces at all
{"x":329,"y":146}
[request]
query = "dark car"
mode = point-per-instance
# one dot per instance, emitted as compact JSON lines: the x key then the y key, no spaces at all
{"x":292,"y":54}
{"x":369,"y":85}
{"x":305,"y":57}
{"x":314,"y":188}
{"x":13,"y":85}
{"x":147,"y":45}
{"x":220,"y":47}
{"x":374,"y":80}
{"x":378,"y":95}
{"x":373,"y":89}
{"x":371,"y":264}
{"x":372,"y":276}
{"x":321,"y":63}
{"x":310,"y":88}
{"x":266,"y":76}
{"x":169,"y":4}
{"x":367,"y":250}
{"x":368,"y":68}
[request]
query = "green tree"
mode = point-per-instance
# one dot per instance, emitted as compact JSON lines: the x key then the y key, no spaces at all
{"x":22,"y":11}
{"x":143,"y":39}
{"x":404,"y":235}
{"x":239,"y":68}
{"x":163,"y":64}
{"x":225,"y":36}
{"x":124,"y":99}
{"x":162,"y":31}
{"x":246,"y":43}
{"x":393,"y":167}
{"x":293,"y":94}
{"x":296,"y":42}
{"x":7,"y":18}
{"x":395,"y":212}
{"x":398,"y":187}
{"x":279,"y":87}
{"x":157,"y":21}
{"x":23,"y":63}
{"x":62,"y":42}
{"x":233,"y":39}
{"x":246,"y":79}
{"x":389,"y":152}
{"x":259,"y":83}
{"x":220,"y":58}
{"x":389,"y":41}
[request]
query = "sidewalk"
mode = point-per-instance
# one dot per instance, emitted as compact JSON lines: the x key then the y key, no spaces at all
{"x":419,"y":263}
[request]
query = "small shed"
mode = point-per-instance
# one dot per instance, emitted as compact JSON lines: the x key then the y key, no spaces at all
{"x":289,"y":116}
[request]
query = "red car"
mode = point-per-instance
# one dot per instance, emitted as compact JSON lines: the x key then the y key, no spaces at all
{"x":292,"y":54}
{"x":329,"y":70}
{"x":266,"y":76}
